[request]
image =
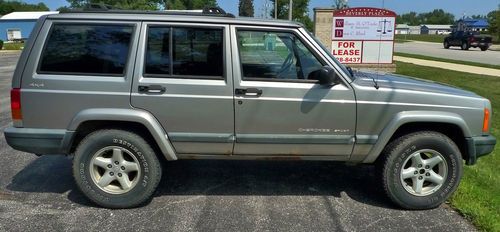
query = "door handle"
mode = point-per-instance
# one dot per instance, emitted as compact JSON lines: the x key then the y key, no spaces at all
{"x":152,"y":89}
{"x":249,"y":92}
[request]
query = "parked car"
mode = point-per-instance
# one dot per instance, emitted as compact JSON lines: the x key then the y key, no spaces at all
{"x":467,"y":39}
{"x":121,"y":91}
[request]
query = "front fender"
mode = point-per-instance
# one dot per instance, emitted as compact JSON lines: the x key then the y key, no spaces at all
{"x":410,"y":117}
{"x":128,"y":115}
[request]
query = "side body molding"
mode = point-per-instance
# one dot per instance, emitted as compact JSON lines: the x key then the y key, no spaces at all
{"x":128,"y":115}
{"x":414,"y":116}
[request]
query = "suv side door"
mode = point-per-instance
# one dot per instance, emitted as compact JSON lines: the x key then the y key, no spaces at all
{"x":279,"y":110}
{"x":181,"y":77}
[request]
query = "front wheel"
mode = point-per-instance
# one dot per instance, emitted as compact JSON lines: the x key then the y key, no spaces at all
{"x":484,"y":48}
{"x":421,"y":170}
{"x":446,"y":45}
{"x":116,"y":168}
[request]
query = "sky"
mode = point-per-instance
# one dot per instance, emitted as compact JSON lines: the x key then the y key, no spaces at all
{"x":456,"y":7}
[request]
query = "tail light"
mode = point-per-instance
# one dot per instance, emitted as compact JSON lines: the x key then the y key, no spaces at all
{"x":15,"y":104}
{"x":486,"y":121}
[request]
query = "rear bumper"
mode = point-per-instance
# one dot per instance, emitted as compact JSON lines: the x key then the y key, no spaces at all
{"x":479,"y":146}
{"x":39,"y":141}
{"x":480,"y":44}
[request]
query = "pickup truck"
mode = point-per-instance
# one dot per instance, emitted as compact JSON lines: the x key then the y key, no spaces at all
{"x":467,"y":39}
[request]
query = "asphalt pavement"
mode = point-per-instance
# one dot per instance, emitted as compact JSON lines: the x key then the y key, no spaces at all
{"x":437,"y":50}
{"x":38,"y":194}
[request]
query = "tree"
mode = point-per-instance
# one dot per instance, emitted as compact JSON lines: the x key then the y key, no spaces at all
{"x":122,"y":4}
{"x":409,"y":18}
{"x":246,"y":8}
{"x":494,"y":23}
{"x":7,"y":7}
{"x":437,"y":16}
{"x":478,"y":17}
{"x":340,"y":4}
{"x":300,"y":12}
{"x":189,"y":4}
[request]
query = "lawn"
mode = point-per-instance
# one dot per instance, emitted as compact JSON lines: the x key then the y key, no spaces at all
{"x":13,"y":46}
{"x":447,"y":60}
{"x":478,"y":197}
{"x":425,"y":38}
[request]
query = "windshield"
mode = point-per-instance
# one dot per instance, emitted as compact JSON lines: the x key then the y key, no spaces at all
{"x":327,"y":51}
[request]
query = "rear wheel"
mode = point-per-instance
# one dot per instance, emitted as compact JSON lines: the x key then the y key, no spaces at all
{"x":484,"y":48}
{"x":421,"y":170}
{"x":116,"y":169}
{"x":465,"y":46}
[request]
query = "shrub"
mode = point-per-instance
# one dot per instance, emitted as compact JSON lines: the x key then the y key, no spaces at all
{"x":1,"y":44}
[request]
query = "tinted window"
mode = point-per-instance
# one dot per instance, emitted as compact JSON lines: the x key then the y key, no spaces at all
{"x":87,"y":49}
{"x":158,"y":51}
{"x":272,"y":55}
{"x":197,"y":52}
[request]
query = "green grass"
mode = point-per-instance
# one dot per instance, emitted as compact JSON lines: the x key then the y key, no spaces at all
{"x":447,"y":60}
{"x":478,"y":196}
{"x":429,"y":38}
{"x":13,"y":46}
{"x":425,"y":38}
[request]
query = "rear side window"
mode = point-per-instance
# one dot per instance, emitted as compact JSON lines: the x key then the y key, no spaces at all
{"x":87,"y":49}
{"x":188,"y":52}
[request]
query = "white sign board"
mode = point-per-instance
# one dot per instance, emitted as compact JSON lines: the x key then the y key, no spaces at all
{"x":363,"y":35}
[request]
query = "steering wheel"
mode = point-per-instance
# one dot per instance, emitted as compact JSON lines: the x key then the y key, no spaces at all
{"x":287,"y":64}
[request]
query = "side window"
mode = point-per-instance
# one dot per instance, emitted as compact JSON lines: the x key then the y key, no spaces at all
{"x":275,"y":56}
{"x":196,"y":52}
{"x":158,"y":51}
{"x":87,"y":49}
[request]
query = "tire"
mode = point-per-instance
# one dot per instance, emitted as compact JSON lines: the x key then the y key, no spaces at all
{"x":446,"y":45}
{"x":484,"y":48}
{"x":464,"y":46}
{"x":111,"y":157}
{"x":401,"y":173}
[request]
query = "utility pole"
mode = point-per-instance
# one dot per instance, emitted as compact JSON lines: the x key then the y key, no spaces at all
{"x":290,"y":10}
{"x":275,"y":9}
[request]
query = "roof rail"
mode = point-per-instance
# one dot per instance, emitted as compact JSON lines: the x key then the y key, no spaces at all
{"x":101,"y":8}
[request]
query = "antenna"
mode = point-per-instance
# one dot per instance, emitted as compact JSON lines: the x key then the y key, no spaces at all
{"x":384,"y":31}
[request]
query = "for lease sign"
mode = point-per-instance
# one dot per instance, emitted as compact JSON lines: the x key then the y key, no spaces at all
{"x":363,"y":35}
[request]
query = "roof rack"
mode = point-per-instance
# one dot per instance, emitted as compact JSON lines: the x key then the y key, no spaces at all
{"x":100,"y":8}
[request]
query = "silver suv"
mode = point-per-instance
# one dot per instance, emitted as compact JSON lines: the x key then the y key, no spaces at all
{"x":121,"y":91}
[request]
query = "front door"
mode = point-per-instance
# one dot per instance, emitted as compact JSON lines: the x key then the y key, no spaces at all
{"x":182,"y":79}
{"x":279,"y":108}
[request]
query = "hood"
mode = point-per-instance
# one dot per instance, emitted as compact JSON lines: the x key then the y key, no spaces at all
{"x":393,"y":81}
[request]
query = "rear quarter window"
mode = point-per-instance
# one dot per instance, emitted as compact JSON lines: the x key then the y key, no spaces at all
{"x":86,"y":49}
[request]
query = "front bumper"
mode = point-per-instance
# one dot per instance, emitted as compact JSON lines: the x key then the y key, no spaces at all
{"x":39,"y":141}
{"x":479,"y":146}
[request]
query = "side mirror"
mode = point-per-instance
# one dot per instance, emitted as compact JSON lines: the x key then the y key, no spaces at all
{"x":326,"y":76}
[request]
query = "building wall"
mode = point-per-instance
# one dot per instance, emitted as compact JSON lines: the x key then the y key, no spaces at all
{"x":402,"y":31}
{"x":323,"y":26}
{"x":26,"y":26}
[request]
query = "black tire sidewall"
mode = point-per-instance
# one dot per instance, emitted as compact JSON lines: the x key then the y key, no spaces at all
{"x":446,"y":45}
{"x":465,"y":46}
{"x":432,"y":141}
{"x":148,"y":163}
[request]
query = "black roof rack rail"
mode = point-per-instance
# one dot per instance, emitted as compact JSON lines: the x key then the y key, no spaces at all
{"x":105,"y":8}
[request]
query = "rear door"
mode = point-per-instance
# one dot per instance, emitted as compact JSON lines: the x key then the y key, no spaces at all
{"x":182,"y":78}
{"x":279,"y":109}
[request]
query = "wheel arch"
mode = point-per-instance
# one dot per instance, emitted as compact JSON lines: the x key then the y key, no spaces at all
{"x":139,"y":121}
{"x":450,"y":124}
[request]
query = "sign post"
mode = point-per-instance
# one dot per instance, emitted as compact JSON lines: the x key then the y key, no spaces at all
{"x":363,"y":35}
